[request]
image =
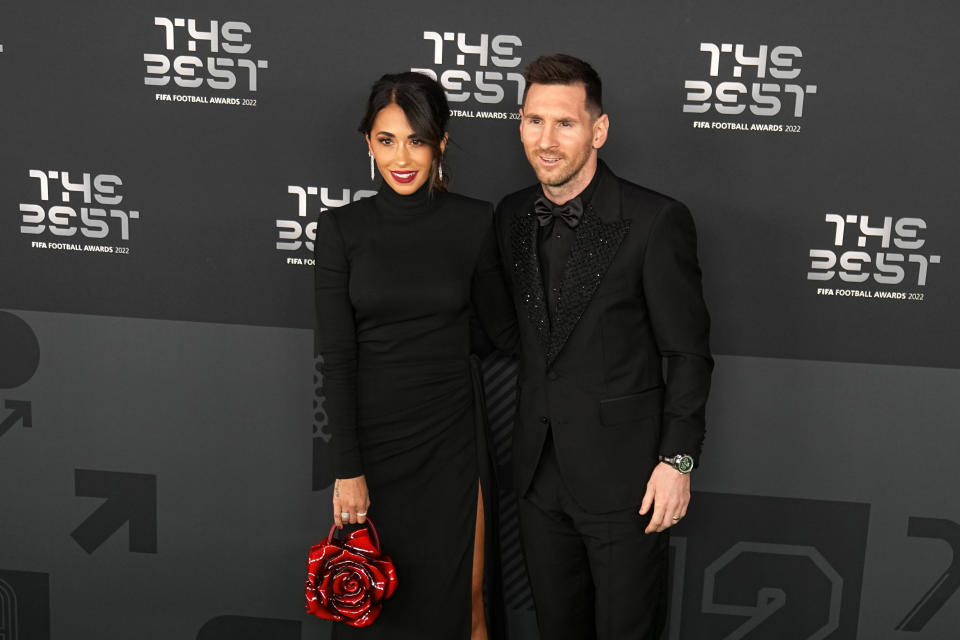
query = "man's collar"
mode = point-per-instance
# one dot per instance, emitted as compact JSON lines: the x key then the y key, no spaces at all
{"x":605,"y":201}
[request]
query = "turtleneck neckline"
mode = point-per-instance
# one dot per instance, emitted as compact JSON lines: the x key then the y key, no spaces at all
{"x":420,"y":201}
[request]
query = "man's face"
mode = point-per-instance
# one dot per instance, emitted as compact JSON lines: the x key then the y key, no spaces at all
{"x":559,"y":135}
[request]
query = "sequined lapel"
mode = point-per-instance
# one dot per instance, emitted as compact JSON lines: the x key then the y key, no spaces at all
{"x":590,"y":256}
{"x":526,"y":268}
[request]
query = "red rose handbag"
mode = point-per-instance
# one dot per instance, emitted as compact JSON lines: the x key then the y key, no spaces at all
{"x":348,"y":578}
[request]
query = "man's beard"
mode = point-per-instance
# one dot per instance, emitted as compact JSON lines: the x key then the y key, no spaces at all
{"x":552,"y":179}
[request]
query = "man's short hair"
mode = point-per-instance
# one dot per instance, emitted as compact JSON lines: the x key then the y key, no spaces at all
{"x":560,"y":68}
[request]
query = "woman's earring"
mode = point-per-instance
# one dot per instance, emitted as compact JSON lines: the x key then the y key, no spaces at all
{"x":371,"y":165}
{"x":440,"y":170}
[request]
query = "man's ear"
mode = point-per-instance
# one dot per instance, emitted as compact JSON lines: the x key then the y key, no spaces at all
{"x":601,"y":126}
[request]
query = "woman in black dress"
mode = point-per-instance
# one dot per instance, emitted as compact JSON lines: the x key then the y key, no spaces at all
{"x":397,"y":277}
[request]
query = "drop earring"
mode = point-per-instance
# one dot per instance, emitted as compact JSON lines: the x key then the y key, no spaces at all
{"x":440,"y":170}
{"x":371,"y":165}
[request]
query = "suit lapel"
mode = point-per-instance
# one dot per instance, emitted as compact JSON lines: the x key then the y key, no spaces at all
{"x":598,"y":238}
{"x":526,"y":267}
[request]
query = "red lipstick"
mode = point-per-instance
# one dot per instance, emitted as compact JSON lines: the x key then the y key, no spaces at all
{"x":404,"y":177}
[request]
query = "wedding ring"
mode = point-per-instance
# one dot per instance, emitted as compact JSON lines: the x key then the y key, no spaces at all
{"x":344,"y":514}
{"x":675,"y":518}
{"x":361,"y":513}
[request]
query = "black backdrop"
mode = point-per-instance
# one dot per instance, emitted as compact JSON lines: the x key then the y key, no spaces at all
{"x":160,"y":176}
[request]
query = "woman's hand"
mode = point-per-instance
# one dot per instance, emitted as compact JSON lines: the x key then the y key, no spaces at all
{"x":350,"y":501}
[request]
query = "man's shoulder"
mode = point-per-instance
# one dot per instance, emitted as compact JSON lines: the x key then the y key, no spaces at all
{"x":633,"y":194}
{"x":512,"y":203}
{"x":649,"y":210}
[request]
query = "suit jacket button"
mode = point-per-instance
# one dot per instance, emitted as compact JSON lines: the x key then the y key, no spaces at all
{"x":552,"y":375}
{"x":544,"y":419}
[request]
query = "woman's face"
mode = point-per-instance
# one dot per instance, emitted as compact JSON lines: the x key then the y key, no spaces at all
{"x":404,"y":159}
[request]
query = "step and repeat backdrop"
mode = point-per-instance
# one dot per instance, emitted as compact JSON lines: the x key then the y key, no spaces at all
{"x":164,"y":456}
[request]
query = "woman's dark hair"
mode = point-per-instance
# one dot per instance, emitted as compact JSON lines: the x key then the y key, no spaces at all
{"x":560,"y":68}
{"x":425,"y":105}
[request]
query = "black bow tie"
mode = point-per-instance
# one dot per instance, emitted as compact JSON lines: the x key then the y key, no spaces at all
{"x":546,"y":211}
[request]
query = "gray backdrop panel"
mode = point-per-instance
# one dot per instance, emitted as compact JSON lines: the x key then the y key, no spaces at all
{"x":216,"y":415}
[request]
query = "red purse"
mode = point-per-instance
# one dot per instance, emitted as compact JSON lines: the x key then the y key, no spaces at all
{"x":348,"y":579}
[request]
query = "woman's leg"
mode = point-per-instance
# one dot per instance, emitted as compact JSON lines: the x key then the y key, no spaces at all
{"x":479,"y":629}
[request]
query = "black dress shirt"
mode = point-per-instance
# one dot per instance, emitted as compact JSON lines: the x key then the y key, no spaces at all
{"x":553,"y":247}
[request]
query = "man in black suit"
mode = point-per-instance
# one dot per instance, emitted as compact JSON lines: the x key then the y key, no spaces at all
{"x":605,"y":278}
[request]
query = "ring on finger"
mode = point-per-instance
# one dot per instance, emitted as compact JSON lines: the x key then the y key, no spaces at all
{"x":361,"y":513}
{"x":676,"y":518}
{"x":344,"y":514}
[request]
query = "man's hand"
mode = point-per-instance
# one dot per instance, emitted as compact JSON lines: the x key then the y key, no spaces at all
{"x":668,"y":491}
{"x":350,"y":500}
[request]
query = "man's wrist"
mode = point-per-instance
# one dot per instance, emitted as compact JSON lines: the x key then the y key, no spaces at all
{"x":682,"y":462}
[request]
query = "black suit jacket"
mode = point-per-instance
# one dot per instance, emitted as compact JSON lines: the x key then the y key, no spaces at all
{"x":630,"y":297}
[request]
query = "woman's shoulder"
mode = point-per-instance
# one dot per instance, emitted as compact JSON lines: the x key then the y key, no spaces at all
{"x":358,"y":206}
{"x":466,"y":205}
{"x":350,"y":215}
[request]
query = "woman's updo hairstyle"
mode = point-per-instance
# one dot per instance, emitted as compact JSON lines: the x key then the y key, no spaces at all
{"x":424,"y":103}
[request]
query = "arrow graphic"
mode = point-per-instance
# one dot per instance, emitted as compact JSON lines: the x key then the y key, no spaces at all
{"x":19,"y":410}
{"x":131,"y":497}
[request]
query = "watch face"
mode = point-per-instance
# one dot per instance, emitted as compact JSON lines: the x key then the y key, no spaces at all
{"x":685,"y":464}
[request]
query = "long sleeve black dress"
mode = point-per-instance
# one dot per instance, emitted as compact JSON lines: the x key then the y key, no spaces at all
{"x":396,"y":278}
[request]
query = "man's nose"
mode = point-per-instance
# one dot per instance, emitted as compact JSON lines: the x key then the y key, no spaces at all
{"x":547,"y":138}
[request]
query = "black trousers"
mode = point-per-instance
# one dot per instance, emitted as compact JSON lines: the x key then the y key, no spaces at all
{"x":593,"y":576}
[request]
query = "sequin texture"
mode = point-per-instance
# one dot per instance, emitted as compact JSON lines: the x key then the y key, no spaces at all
{"x":590,"y":256}
{"x":593,"y":249}
{"x":523,"y":234}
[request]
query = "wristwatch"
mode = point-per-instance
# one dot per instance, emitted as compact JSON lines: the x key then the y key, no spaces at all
{"x":681,"y":462}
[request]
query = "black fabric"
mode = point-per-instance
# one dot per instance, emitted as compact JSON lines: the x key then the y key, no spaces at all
{"x":630,"y":296}
{"x":569,"y":213}
{"x":594,"y":409}
{"x":554,"y":245}
{"x":497,"y":628}
{"x":554,"y":241}
{"x":396,"y":280}
{"x":593,"y":576}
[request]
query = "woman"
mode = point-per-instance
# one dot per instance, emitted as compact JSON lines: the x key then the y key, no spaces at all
{"x":397,"y":276}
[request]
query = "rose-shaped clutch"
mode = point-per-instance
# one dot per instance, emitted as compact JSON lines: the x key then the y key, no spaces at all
{"x":348,"y":579}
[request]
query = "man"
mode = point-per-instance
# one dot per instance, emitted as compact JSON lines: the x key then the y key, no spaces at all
{"x":605,"y":278}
